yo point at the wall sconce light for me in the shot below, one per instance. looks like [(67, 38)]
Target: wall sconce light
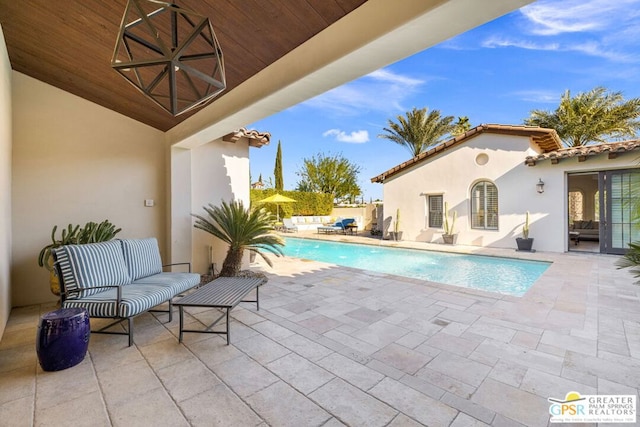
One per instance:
[(540, 186), (169, 54)]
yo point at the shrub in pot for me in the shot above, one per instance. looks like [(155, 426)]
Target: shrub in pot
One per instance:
[(92, 232)]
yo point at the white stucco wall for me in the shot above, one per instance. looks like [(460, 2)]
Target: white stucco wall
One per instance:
[(455, 171), (5, 184), (73, 162), (220, 172), (205, 174), (180, 222)]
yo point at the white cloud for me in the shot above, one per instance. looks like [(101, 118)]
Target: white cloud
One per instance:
[(598, 49), (591, 48), (385, 75), (355, 137), (607, 29), (552, 17), (542, 96), (496, 41), (381, 90)]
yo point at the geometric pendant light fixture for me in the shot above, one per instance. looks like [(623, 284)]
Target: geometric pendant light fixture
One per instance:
[(170, 54)]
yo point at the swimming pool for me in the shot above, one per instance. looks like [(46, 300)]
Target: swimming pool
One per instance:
[(503, 275)]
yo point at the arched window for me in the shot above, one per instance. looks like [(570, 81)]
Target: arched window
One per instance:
[(484, 206)]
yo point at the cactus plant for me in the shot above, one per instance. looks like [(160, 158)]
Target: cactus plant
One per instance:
[(525, 227), (90, 233), (396, 234), (448, 236), (525, 243), (449, 229)]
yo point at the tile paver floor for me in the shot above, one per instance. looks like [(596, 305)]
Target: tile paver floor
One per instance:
[(337, 346)]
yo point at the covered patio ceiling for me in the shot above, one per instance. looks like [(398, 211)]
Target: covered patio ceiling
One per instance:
[(69, 44), (277, 52)]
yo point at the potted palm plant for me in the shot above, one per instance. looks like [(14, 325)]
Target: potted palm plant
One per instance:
[(92, 232), (525, 243), (448, 236), (241, 229)]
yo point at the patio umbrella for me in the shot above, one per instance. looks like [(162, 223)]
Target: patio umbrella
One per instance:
[(277, 199)]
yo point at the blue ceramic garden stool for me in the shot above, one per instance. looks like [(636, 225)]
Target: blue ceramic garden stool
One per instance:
[(63, 338)]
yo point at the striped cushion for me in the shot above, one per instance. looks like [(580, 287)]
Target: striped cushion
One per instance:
[(136, 299), (142, 257), (177, 282), (90, 265), (68, 281)]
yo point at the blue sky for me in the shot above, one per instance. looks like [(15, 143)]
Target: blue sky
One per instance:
[(496, 73)]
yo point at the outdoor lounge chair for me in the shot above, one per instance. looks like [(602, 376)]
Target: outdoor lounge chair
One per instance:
[(339, 227), (288, 226)]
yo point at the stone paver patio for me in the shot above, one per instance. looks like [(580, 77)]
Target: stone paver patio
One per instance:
[(338, 346)]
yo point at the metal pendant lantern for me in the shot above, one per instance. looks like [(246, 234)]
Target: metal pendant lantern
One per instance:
[(170, 54)]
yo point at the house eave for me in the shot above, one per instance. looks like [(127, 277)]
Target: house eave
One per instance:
[(545, 139), (583, 153)]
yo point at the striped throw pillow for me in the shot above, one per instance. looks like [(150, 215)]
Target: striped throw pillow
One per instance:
[(142, 257), (90, 265)]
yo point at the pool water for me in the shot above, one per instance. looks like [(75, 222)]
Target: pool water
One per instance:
[(494, 274)]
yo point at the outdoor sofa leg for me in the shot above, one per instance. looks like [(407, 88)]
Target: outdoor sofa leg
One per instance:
[(228, 329), (130, 321), (181, 323)]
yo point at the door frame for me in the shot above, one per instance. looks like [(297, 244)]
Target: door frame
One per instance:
[(606, 211)]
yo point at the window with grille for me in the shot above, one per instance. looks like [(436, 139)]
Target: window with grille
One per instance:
[(484, 206), (435, 211)]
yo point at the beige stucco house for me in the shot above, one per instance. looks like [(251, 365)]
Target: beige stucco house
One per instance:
[(493, 174)]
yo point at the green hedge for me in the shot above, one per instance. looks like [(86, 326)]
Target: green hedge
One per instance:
[(305, 203)]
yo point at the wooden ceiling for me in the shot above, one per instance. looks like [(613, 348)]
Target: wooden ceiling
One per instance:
[(69, 43)]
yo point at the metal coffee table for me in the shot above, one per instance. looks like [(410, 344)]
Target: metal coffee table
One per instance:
[(223, 293)]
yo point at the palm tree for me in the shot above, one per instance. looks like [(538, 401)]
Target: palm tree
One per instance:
[(594, 116), (461, 126), (241, 229), (418, 131), (631, 260)]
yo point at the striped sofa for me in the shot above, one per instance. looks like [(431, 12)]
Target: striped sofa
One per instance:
[(118, 279)]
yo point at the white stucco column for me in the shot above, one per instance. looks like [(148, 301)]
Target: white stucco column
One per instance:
[(203, 175), (179, 247)]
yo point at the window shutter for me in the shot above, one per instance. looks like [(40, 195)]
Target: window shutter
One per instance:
[(484, 206), (435, 211)]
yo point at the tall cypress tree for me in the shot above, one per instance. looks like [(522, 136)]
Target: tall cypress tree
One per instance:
[(277, 171)]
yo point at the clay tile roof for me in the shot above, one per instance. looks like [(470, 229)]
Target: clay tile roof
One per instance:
[(613, 148), (546, 139), (256, 139)]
